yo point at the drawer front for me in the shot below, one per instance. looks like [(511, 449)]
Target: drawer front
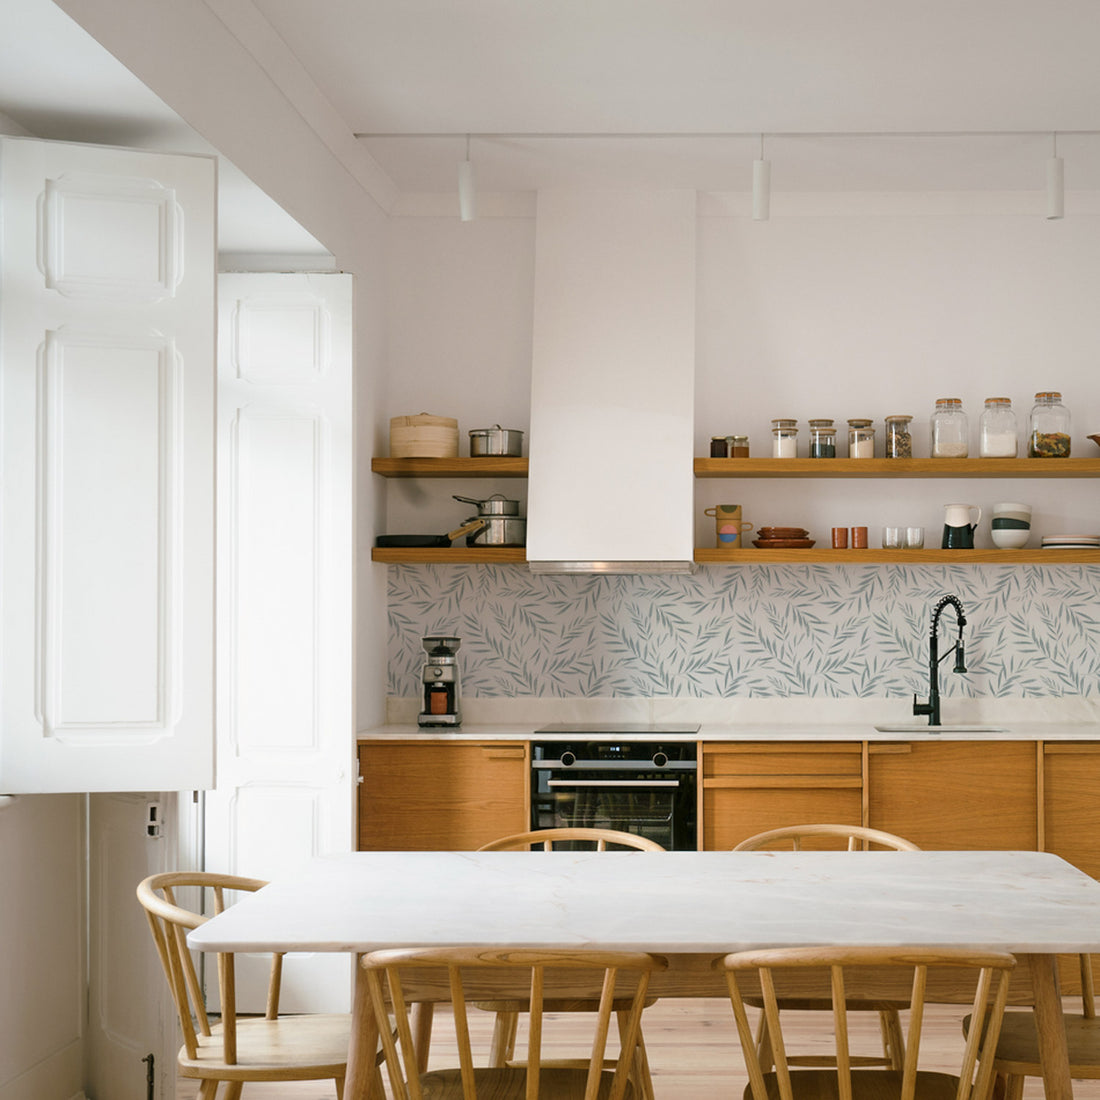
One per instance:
[(797, 758)]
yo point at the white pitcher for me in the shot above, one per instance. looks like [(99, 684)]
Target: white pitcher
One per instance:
[(958, 531)]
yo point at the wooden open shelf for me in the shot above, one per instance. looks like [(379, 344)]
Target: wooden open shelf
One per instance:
[(449, 555), (898, 467), (927, 556), (449, 467)]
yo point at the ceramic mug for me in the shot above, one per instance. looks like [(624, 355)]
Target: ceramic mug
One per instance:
[(728, 525)]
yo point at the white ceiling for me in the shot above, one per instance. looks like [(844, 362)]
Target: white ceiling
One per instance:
[(849, 94)]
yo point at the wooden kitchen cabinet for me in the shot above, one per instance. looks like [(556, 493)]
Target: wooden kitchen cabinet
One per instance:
[(753, 786), (1071, 803), (429, 795), (956, 794)]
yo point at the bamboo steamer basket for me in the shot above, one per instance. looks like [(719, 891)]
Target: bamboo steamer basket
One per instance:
[(423, 436)]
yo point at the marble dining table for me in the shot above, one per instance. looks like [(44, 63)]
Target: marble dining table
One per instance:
[(690, 907)]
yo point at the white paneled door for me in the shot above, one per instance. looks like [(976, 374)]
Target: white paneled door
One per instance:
[(285, 756), (107, 267)]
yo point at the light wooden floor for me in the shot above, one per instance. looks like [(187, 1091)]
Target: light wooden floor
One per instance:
[(693, 1050)]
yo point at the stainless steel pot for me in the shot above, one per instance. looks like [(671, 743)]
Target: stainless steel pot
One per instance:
[(496, 441), (500, 531), (496, 505)]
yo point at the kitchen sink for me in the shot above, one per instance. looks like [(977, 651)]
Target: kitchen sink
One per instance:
[(914, 727)]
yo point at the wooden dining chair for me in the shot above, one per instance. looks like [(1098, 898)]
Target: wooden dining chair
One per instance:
[(1016, 1055), (237, 1049), (549, 839), (506, 1024), (843, 971), (397, 976), (852, 838)]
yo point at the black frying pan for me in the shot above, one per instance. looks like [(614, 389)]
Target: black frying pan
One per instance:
[(431, 540)]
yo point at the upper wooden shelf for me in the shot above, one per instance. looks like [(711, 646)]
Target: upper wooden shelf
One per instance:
[(450, 467), (898, 467)]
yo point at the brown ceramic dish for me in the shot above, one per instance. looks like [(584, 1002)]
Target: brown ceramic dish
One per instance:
[(783, 544)]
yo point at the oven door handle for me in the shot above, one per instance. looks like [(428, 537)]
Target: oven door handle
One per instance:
[(611, 784)]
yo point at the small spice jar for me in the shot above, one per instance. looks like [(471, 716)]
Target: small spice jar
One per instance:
[(950, 430), (822, 439), (1048, 429), (719, 448), (899, 439), (739, 446), (784, 438), (997, 437), (861, 439)]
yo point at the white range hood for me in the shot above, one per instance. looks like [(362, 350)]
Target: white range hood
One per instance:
[(613, 383)]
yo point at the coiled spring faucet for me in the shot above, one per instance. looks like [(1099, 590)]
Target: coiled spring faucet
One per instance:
[(932, 707)]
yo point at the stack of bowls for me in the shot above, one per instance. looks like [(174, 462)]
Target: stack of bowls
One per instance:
[(1011, 525)]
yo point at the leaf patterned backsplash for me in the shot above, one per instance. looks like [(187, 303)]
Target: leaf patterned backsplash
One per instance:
[(752, 631)]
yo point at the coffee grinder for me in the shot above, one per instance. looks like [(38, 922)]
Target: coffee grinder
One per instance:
[(440, 677)]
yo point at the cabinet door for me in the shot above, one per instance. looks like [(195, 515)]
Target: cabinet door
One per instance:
[(956, 794), (441, 795), (749, 788), (1071, 803), (107, 434)]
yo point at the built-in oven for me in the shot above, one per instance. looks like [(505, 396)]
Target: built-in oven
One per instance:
[(631, 777)]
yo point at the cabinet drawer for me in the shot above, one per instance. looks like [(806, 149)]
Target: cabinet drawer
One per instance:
[(788, 761)]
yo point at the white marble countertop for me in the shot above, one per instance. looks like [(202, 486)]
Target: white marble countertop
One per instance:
[(668, 902), (763, 731)]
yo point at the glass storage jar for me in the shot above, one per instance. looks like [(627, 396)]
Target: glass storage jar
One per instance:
[(899, 439), (1048, 429), (784, 438), (950, 430), (861, 439), (719, 448), (997, 436), (822, 439), (739, 446)]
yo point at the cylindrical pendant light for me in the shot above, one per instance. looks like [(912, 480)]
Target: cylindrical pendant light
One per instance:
[(761, 186), (1056, 184), (466, 195)]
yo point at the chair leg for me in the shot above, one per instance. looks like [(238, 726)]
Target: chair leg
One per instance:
[(639, 1068), (893, 1041), (1014, 1087), (340, 1089), (503, 1047), (233, 1090), (208, 1090)]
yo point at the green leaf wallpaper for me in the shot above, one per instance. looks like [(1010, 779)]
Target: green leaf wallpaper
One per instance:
[(753, 630)]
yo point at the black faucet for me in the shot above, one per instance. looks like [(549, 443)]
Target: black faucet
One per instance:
[(932, 707)]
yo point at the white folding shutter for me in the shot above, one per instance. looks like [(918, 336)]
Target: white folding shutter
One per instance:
[(107, 267), (286, 739)]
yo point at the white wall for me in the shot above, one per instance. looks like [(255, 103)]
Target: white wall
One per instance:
[(850, 305)]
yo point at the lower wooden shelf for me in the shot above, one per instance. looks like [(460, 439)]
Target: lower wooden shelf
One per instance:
[(928, 556), (449, 555)]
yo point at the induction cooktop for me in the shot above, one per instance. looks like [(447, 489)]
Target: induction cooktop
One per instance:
[(616, 729)]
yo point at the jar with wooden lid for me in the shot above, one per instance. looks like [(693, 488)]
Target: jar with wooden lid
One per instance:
[(822, 439), (1049, 435), (784, 438), (950, 430), (861, 439), (899, 439), (997, 435)]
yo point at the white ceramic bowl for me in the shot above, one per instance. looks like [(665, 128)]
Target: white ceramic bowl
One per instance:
[(1010, 539)]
